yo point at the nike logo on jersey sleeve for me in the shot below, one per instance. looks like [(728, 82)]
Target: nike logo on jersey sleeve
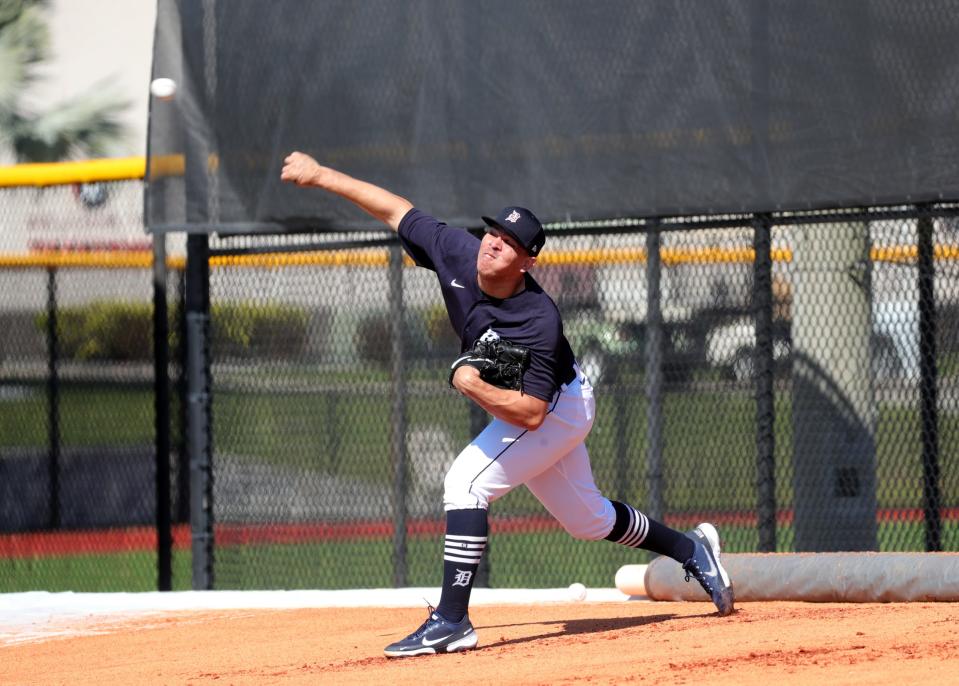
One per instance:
[(454, 284)]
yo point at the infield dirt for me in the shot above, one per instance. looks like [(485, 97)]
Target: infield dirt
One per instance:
[(625, 642)]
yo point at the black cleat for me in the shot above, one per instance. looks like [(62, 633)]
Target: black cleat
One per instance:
[(705, 566), (436, 635)]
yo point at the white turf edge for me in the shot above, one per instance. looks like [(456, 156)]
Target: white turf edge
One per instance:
[(41, 615)]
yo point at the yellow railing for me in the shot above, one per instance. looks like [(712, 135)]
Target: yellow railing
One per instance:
[(89, 171), (133, 168), (112, 259), (61, 173), (143, 259)]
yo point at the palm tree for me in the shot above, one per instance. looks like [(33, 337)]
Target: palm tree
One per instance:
[(82, 126)]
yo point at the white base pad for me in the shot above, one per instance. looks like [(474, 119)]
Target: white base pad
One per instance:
[(852, 577)]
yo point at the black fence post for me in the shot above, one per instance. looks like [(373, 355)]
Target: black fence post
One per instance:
[(654, 372), (928, 382), (161, 390), (182, 515), (199, 433), (53, 398), (398, 423), (765, 405)]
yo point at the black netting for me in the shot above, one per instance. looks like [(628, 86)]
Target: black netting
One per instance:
[(582, 110)]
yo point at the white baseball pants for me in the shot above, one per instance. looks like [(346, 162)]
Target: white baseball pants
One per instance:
[(551, 461)]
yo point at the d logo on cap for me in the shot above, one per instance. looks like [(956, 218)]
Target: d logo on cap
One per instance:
[(522, 225)]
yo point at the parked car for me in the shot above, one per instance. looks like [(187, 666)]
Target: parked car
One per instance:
[(894, 344), (724, 339), (604, 348), (732, 348), (596, 343)]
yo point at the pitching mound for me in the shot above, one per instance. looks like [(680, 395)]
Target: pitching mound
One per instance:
[(762, 643)]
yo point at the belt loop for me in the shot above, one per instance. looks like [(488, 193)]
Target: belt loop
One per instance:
[(578, 373)]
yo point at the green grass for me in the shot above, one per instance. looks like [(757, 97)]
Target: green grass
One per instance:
[(345, 435), (89, 415), (99, 573)]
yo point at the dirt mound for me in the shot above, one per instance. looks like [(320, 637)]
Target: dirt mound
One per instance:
[(544, 644)]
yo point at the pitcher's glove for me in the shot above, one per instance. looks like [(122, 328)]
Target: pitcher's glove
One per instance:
[(500, 363)]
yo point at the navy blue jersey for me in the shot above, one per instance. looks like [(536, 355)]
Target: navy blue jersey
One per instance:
[(529, 318)]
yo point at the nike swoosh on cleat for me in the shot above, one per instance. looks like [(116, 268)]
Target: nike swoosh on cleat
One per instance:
[(425, 641), (712, 571), (456, 285)]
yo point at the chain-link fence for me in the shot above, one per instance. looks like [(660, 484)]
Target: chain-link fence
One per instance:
[(801, 396), (78, 476), (792, 379)]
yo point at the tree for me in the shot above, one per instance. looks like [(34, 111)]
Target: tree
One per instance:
[(86, 125)]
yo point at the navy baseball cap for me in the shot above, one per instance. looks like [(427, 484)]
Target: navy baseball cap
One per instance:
[(522, 225)]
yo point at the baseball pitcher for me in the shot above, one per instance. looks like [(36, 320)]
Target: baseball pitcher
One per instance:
[(517, 365)]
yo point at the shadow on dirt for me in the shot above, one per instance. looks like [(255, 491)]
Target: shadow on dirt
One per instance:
[(572, 627)]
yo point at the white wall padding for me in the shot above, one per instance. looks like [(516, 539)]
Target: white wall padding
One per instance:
[(819, 577)]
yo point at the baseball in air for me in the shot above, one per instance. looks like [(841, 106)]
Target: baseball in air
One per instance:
[(163, 88), (577, 592)]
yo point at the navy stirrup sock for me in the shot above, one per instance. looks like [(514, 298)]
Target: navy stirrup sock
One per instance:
[(636, 530), (466, 535)]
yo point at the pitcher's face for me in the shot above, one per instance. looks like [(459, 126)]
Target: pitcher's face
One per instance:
[(500, 256)]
